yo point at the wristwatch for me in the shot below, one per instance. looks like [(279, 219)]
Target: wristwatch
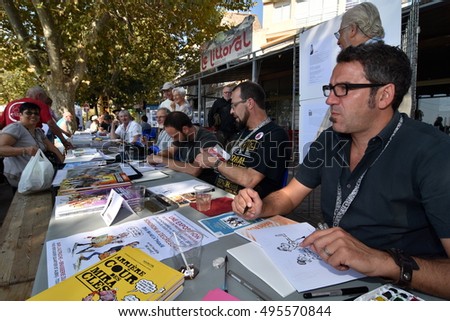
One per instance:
[(407, 265), (216, 165)]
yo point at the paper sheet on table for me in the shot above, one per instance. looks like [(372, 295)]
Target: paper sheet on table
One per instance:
[(304, 269), (82, 158), (253, 257), (177, 188), (150, 176), (142, 166), (60, 175)]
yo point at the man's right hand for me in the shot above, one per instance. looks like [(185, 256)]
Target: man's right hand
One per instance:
[(247, 204)]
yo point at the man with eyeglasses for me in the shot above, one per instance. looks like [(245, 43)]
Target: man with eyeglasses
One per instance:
[(163, 139), (220, 119), (360, 24), (260, 153), (384, 178)]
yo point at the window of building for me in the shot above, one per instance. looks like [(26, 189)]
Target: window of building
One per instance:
[(282, 11)]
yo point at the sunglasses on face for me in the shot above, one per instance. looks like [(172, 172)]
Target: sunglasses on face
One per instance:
[(29, 113)]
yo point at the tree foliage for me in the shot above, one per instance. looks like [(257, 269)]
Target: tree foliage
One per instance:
[(80, 50)]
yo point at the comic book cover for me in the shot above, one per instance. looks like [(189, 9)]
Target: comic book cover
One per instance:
[(86, 202), (97, 177), (126, 275)]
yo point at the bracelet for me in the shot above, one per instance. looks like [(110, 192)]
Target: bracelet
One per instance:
[(216, 165), (23, 151), (407, 265)]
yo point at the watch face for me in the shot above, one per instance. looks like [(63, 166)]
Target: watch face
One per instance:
[(407, 276)]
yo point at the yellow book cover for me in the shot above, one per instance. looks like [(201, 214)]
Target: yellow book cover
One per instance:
[(128, 275)]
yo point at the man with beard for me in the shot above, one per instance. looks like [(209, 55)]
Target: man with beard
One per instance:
[(187, 142), (261, 151)]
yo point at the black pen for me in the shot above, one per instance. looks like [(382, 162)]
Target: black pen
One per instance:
[(250, 287), (319, 294), (225, 285)]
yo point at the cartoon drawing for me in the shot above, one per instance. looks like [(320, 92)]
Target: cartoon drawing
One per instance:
[(104, 254), (307, 256), (291, 245), (99, 241), (234, 221), (105, 295)]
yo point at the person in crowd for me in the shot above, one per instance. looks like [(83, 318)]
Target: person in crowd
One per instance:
[(21, 140), (385, 197), (95, 124), (187, 142), (260, 154), (38, 96), (65, 123), (180, 102), (166, 90), (360, 24), (163, 139), (220, 118), (88, 122), (438, 123), (128, 131), (116, 114), (105, 126), (144, 123)]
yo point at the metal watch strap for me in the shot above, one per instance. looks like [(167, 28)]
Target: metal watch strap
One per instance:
[(407, 265)]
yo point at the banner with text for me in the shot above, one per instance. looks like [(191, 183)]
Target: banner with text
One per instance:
[(228, 46)]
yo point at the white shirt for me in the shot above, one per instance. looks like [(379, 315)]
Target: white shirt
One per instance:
[(127, 134), (166, 104)]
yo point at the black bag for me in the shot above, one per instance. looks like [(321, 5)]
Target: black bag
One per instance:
[(52, 158)]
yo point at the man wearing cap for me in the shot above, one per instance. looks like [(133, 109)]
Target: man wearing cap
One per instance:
[(166, 89)]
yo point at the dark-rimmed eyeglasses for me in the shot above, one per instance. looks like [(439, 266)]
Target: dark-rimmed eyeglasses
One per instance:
[(29, 113), (234, 105), (337, 34), (341, 90)]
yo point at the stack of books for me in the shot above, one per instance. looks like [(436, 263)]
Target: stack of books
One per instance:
[(79, 203), (87, 189), (127, 275)]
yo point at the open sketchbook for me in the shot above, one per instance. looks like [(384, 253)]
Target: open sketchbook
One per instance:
[(304, 269)]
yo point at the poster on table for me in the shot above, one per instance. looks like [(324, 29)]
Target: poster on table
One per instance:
[(152, 234), (318, 52)]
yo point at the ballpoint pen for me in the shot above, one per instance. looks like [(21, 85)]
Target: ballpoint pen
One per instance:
[(225, 284)]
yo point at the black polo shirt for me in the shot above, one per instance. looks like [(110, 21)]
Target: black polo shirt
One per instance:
[(403, 200)]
